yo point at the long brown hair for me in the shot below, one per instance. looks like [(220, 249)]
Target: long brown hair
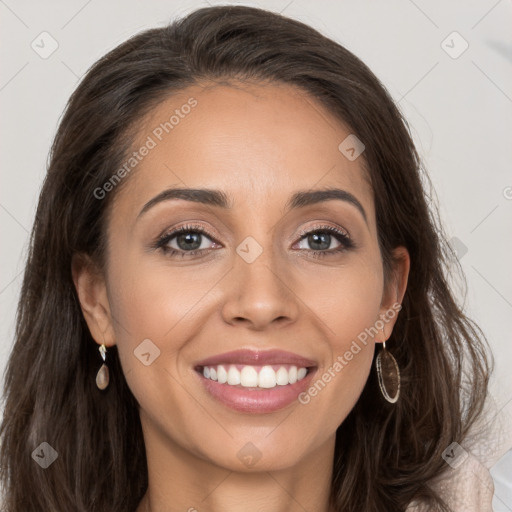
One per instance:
[(386, 454)]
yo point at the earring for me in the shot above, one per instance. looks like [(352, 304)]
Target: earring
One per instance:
[(388, 375), (102, 378)]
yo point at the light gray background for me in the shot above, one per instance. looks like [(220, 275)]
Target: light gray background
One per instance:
[(459, 110)]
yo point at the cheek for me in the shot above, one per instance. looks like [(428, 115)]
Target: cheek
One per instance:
[(156, 310), (159, 310), (346, 301), (155, 301)]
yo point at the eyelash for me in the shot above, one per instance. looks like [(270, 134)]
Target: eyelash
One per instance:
[(345, 242)]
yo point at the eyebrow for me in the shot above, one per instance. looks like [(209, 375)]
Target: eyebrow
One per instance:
[(219, 199)]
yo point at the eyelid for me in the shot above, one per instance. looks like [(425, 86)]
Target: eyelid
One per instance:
[(328, 227), (169, 234)]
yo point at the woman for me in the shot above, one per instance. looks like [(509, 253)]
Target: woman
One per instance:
[(236, 294)]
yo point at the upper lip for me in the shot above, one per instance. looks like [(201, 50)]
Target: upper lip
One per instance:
[(257, 357)]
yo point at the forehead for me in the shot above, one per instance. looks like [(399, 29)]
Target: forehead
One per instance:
[(257, 142)]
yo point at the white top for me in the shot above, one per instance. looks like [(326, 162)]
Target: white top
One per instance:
[(467, 485)]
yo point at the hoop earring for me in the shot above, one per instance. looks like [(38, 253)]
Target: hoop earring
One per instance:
[(102, 378), (388, 375)]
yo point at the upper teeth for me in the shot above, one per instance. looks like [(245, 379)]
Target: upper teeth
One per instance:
[(250, 377)]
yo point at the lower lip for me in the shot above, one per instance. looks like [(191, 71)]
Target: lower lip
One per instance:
[(257, 400)]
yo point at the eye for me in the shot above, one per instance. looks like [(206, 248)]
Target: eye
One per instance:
[(321, 238), (191, 240), (185, 241)]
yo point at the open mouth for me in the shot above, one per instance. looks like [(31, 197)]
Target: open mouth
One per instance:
[(255, 381), (254, 377)]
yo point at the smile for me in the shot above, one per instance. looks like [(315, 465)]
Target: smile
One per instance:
[(255, 382), (266, 377)]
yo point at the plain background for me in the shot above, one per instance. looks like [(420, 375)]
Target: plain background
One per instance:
[(458, 107)]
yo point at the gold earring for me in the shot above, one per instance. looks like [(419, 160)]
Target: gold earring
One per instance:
[(388, 374), (102, 378)]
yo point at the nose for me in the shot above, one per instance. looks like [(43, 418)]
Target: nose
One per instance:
[(260, 294)]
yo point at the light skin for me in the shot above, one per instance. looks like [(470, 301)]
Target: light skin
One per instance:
[(259, 144)]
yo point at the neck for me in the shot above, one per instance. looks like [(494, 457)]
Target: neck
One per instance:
[(180, 481)]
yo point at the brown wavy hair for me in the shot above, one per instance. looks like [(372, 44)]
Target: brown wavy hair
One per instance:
[(386, 454)]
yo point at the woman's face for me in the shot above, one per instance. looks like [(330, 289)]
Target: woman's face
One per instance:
[(252, 285)]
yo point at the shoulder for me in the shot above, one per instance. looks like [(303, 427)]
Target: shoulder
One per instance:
[(467, 485)]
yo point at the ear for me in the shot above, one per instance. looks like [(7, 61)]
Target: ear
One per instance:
[(92, 294), (394, 291)]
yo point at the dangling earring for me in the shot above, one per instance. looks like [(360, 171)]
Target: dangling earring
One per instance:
[(388, 374), (102, 378)]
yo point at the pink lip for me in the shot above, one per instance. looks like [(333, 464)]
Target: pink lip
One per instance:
[(256, 400), (257, 358)]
